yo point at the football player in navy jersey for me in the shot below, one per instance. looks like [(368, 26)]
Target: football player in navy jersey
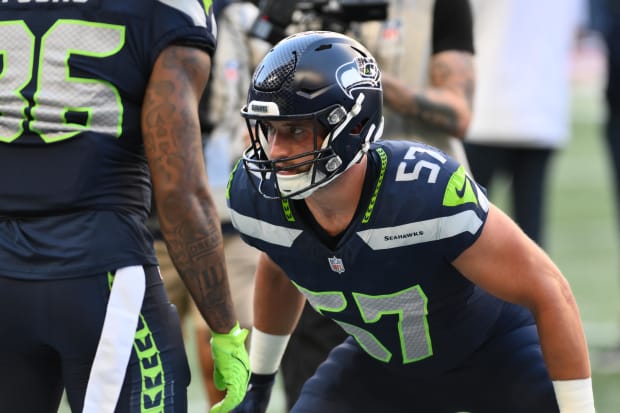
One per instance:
[(98, 99), (427, 97), (448, 305)]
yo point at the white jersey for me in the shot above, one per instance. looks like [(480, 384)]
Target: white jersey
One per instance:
[(523, 64)]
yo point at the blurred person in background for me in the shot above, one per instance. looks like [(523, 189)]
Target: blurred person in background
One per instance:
[(429, 101), (521, 113), (605, 19)]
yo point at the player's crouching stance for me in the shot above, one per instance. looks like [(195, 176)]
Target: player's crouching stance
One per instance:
[(449, 306)]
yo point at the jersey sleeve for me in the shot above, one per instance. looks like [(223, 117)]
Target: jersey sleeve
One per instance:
[(184, 22), (426, 199), (465, 209), (432, 195)]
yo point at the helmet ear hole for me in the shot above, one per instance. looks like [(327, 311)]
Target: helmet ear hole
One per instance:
[(357, 129)]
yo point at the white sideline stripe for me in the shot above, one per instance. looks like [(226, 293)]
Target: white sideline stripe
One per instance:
[(421, 231), (116, 342), (273, 234)]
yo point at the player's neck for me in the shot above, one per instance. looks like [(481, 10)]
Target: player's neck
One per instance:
[(334, 206)]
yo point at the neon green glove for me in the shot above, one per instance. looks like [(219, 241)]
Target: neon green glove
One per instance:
[(232, 367)]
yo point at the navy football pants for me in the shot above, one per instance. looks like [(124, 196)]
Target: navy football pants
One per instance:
[(49, 332), (507, 374)]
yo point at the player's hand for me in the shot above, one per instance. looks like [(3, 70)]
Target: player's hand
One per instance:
[(231, 367), (258, 394)]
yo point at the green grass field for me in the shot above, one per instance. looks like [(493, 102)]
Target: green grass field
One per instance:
[(582, 238)]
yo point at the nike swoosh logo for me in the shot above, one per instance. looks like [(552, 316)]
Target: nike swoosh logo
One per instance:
[(460, 189), (461, 192)]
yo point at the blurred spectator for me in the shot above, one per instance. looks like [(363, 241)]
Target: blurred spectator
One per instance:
[(605, 18), (425, 50), (522, 100)]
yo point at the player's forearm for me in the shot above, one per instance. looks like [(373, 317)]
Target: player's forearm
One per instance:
[(565, 350), (187, 215), (189, 221), (195, 246), (277, 302), (562, 337), (277, 318), (277, 308)]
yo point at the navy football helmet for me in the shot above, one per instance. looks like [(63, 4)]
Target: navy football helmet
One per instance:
[(324, 76)]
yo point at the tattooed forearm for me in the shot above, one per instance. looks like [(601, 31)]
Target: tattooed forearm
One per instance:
[(439, 115), (194, 240), (445, 104), (187, 215), (204, 274)]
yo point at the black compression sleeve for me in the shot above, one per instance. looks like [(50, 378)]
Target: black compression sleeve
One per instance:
[(452, 26)]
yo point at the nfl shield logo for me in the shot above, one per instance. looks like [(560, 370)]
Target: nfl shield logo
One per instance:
[(336, 265)]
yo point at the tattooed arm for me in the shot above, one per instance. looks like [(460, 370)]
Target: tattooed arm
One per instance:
[(188, 218), (446, 104)]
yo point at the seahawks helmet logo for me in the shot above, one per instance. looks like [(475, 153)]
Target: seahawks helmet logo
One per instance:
[(361, 73)]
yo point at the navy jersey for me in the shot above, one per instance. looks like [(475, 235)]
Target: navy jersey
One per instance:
[(388, 281), (76, 186)]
